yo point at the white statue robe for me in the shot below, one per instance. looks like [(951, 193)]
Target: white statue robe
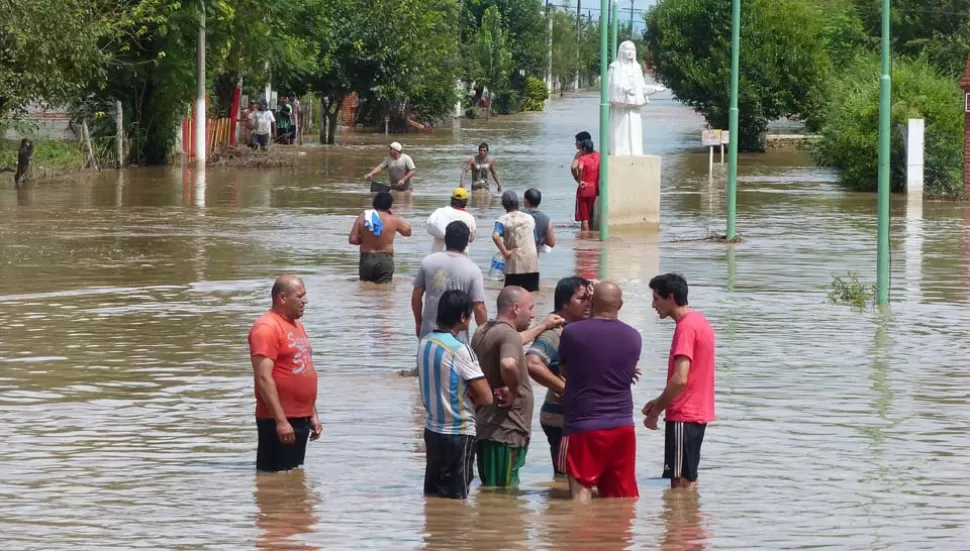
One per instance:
[(627, 93)]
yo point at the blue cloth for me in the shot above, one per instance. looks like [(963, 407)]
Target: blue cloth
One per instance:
[(500, 228), (372, 222)]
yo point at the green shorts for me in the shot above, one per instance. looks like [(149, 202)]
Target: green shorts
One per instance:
[(499, 464)]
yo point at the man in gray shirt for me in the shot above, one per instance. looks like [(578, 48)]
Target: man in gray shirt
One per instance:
[(400, 169), (544, 233), (445, 271)]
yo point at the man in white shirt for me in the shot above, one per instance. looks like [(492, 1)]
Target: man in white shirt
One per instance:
[(400, 168), (439, 219), (264, 120)]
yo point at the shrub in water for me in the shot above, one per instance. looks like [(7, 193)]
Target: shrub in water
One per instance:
[(535, 95), (850, 125)]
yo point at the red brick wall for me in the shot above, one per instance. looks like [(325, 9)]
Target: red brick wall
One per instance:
[(348, 111)]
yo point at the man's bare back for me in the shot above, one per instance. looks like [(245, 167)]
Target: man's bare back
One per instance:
[(369, 243)]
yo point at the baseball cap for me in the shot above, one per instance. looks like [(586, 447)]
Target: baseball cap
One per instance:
[(396, 146), (460, 193)]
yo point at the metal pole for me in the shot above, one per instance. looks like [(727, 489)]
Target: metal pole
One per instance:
[(614, 27), (200, 95), (631, 19), (732, 188), (885, 105), (579, 40), (604, 128)]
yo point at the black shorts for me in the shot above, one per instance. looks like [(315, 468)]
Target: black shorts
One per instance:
[(376, 267), (554, 435), (529, 282), (260, 140), (682, 453), (271, 454), (449, 469)]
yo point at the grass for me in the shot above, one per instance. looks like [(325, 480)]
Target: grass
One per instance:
[(849, 290), (51, 158)]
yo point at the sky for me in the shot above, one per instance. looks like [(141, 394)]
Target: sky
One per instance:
[(592, 6)]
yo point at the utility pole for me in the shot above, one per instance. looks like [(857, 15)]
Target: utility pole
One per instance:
[(631, 19), (604, 127), (579, 40), (732, 188), (549, 79), (885, 106), (200, 94), (614, 27)]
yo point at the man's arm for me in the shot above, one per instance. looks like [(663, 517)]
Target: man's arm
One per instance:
[(354, 238), (499, 240), (675, 385), (540, 373), (509, 368), (481, 314), (550, 239), (411, 170), (469, 370), (263, 371), (552, 321), (480, 392), (491, 167), (577, 168), (417, 303), (375, 171), (403, 227), (464, 169)]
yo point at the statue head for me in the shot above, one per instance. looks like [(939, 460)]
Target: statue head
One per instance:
[(628, 51)]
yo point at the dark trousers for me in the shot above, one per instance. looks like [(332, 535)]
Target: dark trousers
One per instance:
[(273, 455)]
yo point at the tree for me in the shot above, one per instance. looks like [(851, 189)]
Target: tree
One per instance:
[(784, 62), (525, 23), (492, 58)]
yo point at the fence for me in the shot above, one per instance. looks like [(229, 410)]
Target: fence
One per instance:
[(217, 132)]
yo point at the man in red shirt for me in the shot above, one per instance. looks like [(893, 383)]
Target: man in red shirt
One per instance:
[(689, 395), (286, 383)]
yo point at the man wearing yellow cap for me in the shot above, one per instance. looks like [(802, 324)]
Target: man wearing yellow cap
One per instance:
[(439, 219), (400, 168)]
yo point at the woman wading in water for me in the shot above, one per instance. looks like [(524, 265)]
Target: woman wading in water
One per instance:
[(480, 165)]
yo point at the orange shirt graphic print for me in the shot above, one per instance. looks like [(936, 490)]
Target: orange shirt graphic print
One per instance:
[(285, 342)]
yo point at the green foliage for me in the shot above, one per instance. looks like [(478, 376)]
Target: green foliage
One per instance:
[(851, 291), (784, 59), (850, 128), (507, 102), (492, 60), (524, 23), (535, 95), (50, 157)]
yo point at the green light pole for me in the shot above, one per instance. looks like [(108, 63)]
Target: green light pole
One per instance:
[(732, 187), (885, 106), (614, 28), (604, 126)]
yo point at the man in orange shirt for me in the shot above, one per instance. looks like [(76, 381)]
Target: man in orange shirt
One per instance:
[(286, 383)]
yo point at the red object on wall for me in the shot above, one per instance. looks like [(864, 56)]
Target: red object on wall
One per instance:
[(965, 84), (234, 115)]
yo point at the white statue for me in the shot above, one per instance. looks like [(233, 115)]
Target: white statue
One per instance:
[(627, 93)]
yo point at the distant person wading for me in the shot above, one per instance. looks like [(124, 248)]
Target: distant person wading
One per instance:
[(374, 231), (480, 165), (400, 168)]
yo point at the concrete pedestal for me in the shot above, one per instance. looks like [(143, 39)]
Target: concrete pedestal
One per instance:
[(634, 193)]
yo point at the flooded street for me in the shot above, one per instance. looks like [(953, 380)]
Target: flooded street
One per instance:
[(126, 401)]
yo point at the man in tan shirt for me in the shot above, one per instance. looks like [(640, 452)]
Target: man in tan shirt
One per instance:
[(515, 237), (374, 231)]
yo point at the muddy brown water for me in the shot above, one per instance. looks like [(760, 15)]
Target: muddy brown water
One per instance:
[(126, 395)]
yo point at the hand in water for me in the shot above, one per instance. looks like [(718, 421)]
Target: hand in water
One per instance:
[(503, 396)]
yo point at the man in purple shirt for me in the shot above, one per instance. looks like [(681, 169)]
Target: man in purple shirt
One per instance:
[(598, 357)]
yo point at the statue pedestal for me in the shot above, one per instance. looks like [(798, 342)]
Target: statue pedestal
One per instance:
[(634, 191)]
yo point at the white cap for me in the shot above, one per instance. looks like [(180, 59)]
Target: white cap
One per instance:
[(396, 146)]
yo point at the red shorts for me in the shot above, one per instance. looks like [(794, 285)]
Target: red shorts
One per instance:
[(606, 459), (584, 208)]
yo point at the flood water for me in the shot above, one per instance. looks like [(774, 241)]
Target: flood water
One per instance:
[(126, 392)]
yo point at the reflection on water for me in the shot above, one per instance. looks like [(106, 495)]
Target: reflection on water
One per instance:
[(126, 394)]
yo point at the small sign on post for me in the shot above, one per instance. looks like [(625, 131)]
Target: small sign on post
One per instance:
[(712, 139)]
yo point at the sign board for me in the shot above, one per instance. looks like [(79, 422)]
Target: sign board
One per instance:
[(244, 101), (273, 98), (713, 138), (710, 138), (967, 106)]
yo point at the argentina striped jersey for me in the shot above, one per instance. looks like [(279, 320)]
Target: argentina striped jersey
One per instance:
[(445, 367)]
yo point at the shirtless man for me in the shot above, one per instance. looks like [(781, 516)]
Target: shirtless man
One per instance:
[(374, 231)]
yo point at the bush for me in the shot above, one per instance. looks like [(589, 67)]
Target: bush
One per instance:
[(850, 127), (851, 291), (506, 102), (535, 94), (783, 60)]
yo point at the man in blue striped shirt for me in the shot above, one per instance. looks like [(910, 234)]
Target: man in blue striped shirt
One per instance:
[(451, 381)]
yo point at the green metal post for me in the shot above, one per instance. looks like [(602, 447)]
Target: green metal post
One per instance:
[(885, 105), (732, 186), (614, 28), (604, 126)]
